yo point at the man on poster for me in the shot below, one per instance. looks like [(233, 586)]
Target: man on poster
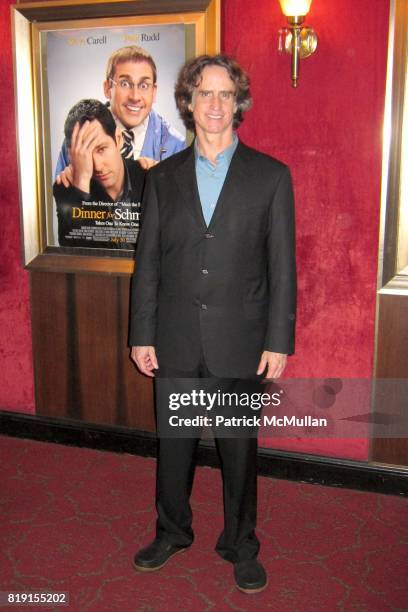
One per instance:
[(131, 89), (101, 207), (213, 299)]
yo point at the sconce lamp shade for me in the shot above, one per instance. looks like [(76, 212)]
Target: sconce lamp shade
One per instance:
[(295, 8)]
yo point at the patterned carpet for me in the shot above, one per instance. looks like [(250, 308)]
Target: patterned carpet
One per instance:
[(71, 520)]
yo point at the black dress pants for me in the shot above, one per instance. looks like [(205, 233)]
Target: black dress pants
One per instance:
[(176, 467)]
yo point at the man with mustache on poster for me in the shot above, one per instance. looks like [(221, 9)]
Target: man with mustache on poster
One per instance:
[(101, 207)]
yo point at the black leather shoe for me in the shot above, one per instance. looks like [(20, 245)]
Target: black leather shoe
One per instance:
[(154, 556), (250, 576)]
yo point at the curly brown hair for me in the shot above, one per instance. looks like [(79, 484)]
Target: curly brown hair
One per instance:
[(190, 76)]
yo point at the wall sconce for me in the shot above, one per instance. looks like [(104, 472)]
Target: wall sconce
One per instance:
[(300, 41)]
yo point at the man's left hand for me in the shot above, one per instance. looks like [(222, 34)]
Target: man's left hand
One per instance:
[(272, 364), (66, 177)]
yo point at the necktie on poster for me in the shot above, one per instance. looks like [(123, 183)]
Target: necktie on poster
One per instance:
[(127, 146)]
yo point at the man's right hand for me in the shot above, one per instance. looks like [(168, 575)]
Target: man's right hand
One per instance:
[(145, 359), (83, 141)]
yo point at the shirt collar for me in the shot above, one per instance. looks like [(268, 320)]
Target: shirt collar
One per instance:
[(225, 155), (136, 130), (127, 186)]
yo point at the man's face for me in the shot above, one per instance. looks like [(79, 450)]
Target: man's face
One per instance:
[(131, 105), (107, 160), (213, 102)]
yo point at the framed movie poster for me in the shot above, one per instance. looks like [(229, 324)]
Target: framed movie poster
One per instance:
[(117, 59)]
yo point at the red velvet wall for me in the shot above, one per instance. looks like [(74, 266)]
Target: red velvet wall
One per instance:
[(329, 132), (16, 388)]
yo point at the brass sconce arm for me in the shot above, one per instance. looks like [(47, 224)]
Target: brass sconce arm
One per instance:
[(297, 40)]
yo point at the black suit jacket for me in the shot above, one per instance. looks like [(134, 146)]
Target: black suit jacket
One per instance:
[(229, 288)]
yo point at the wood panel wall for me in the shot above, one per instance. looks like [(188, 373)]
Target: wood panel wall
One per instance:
[(392, 363), (82, 366)]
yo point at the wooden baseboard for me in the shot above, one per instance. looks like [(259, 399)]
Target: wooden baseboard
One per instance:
[(313, 469)]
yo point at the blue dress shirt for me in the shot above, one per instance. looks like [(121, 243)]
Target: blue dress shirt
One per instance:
[(210, 178)]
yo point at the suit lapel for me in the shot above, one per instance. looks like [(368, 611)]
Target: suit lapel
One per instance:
[(234, 186), (186, 179)]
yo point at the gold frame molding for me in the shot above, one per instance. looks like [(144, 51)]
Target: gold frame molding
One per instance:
[(392, 280), (27, 19)]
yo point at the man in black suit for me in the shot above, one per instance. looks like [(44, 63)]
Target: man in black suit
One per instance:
[(101, 208), (213, 299)]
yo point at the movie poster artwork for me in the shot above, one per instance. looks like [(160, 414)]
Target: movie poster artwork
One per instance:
[(75, 63)]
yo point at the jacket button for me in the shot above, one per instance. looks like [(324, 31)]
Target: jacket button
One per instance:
[(208, 236), (204, 271)]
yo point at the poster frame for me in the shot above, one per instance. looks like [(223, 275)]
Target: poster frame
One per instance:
[(28, 19)]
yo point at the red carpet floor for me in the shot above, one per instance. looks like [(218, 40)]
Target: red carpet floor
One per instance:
[(71, 519)]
